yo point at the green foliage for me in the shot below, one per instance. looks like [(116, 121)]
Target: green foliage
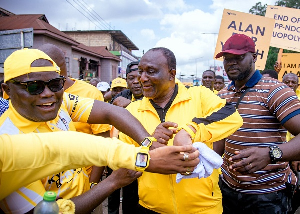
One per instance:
[(288, 3), (259, 9)]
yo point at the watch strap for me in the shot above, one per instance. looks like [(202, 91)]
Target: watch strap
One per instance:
[(148, 141), (143, 150)]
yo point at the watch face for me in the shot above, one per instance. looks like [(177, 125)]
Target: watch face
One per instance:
[(141, 160), (146, 142), (276, 153)]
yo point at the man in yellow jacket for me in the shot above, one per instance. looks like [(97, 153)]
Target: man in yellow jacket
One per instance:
[(202, 117)]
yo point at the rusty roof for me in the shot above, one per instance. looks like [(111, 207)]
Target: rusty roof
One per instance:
[(38, 22)]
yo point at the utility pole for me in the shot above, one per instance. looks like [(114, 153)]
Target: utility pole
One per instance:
[(196, 60)]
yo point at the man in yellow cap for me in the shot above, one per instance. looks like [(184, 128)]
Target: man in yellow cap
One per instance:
[(117, 85), (39, 104)]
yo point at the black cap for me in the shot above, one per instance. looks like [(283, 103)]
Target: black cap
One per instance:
[(128, 70)]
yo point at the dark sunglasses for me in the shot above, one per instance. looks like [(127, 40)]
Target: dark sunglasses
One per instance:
[(38, 86)]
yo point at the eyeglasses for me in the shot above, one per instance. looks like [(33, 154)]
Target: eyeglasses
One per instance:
[(38, 86)]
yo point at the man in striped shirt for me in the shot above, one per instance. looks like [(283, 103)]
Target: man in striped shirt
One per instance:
[(261, 183)]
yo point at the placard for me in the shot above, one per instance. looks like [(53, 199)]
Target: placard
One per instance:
[(259, 28), (286, 31), (290, 64)]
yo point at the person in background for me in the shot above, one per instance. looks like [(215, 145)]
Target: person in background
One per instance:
[(219, 83), (4, 104), (199, 114), (291, 80), (117, 85), (94, 81), (134, 91), (103, 87), (270, 73), (208, 79), (255, 178), (123, 99)]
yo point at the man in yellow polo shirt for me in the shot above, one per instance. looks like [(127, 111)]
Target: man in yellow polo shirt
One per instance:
[(203, 117), (39, 104), (83, 89)]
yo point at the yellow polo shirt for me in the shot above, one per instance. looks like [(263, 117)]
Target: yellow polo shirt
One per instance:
[(84, 89), (66, 184)]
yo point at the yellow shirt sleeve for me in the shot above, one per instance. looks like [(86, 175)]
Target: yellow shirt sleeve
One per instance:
[(79, 108), (29, 157), (219, 118)]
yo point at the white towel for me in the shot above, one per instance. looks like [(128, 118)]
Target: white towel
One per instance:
[(209, 160)]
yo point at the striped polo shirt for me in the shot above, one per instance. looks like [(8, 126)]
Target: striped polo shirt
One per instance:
[(264, 109)]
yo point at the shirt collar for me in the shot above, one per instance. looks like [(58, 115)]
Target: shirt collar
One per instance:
[(251, 82)]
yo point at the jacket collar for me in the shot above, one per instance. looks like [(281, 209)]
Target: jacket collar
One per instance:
[(182, 95)]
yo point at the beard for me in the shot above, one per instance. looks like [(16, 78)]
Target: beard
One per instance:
[(243, 74)]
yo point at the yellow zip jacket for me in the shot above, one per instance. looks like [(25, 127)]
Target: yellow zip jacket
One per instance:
[(161, 193)]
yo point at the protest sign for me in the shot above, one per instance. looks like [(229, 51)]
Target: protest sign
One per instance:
[(286, 32), (258, 28), (290, 64)]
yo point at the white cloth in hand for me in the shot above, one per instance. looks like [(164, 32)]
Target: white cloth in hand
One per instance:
[(209, 160)]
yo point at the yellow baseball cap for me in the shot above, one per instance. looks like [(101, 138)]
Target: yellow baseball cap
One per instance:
[(119, 82), (19, 63)]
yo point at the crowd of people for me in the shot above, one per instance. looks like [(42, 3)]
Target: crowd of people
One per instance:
[(62, 134)]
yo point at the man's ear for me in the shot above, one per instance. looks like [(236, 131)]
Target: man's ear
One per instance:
[(6, 88), (254, 57), (172, 74)]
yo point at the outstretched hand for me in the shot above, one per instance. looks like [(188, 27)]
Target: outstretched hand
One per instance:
[(250, 160), (170, 159)]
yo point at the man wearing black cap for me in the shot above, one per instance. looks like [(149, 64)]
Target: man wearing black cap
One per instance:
[(123, 99), (256, 180), (134, 91)]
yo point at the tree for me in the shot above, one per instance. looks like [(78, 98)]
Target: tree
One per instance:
[(288, 3), (259, 9)]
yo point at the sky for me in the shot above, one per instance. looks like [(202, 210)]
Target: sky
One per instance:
[(187, 27)]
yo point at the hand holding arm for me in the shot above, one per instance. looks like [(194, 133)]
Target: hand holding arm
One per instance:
[(163, 134), (169, 159)]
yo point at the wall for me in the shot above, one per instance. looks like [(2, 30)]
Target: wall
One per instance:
[(92, 39)]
